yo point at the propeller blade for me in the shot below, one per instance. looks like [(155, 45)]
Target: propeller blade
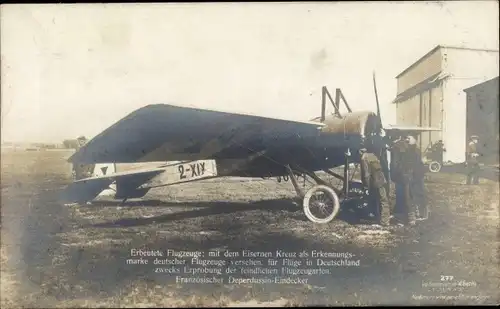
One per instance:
[(376, 99), (383, 151)]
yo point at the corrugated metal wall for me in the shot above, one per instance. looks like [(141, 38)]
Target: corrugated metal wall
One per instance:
[(425, 120), (423, 109), (436, 112), (407, 111), (482, 119)]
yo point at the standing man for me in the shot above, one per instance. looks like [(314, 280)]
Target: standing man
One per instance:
[(374, 180), (439, 149), (80, 170), (417, 186), (472, 164), (402, 174)]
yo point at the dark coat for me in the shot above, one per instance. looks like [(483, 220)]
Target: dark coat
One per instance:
[(417, 165), (371, 171), (401, 158)]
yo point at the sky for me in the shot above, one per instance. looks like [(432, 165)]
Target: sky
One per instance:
[(75, 69)]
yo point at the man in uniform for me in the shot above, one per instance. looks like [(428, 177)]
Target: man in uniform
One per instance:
[(436, 152), (440, 149), (417, 187), (81, 171), (471, 162), (402, 174), (374, 180)]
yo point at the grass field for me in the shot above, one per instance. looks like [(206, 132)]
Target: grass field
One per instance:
[(59, 256)]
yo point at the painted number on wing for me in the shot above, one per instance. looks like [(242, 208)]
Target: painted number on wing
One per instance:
[(191, 170)]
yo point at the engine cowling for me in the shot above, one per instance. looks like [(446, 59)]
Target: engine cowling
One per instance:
[(355, 123), (352, 129)]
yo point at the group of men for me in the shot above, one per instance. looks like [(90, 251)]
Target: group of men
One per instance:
[(407, 171)]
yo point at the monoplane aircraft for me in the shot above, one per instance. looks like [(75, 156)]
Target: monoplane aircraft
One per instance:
[(212, 144)]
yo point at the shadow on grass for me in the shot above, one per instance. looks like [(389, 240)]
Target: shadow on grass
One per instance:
[(203, 209)]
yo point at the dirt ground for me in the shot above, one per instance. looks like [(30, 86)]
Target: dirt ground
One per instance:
[(74, 256)]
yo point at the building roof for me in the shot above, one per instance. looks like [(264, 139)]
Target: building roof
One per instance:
[(432, 51), (493, 80), (421, 86)]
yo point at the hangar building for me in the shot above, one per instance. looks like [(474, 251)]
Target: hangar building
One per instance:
[(482, 118), (430, 92)]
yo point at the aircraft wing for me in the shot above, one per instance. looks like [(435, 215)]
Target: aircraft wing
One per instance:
[(172, 133), (396, 129)]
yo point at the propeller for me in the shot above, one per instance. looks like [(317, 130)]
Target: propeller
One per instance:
[(383, 152), (376, 99)]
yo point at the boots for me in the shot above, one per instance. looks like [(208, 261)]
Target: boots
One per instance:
[(411, 218), (422, 212)]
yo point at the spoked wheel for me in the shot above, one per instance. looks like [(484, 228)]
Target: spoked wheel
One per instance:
[(434, 167), (321, 204)]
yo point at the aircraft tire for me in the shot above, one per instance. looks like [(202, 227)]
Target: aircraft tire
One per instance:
[(330, 194), (434, 167)]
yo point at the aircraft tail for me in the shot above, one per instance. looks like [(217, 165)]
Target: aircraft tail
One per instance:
[(81, 171), (105, 180)]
